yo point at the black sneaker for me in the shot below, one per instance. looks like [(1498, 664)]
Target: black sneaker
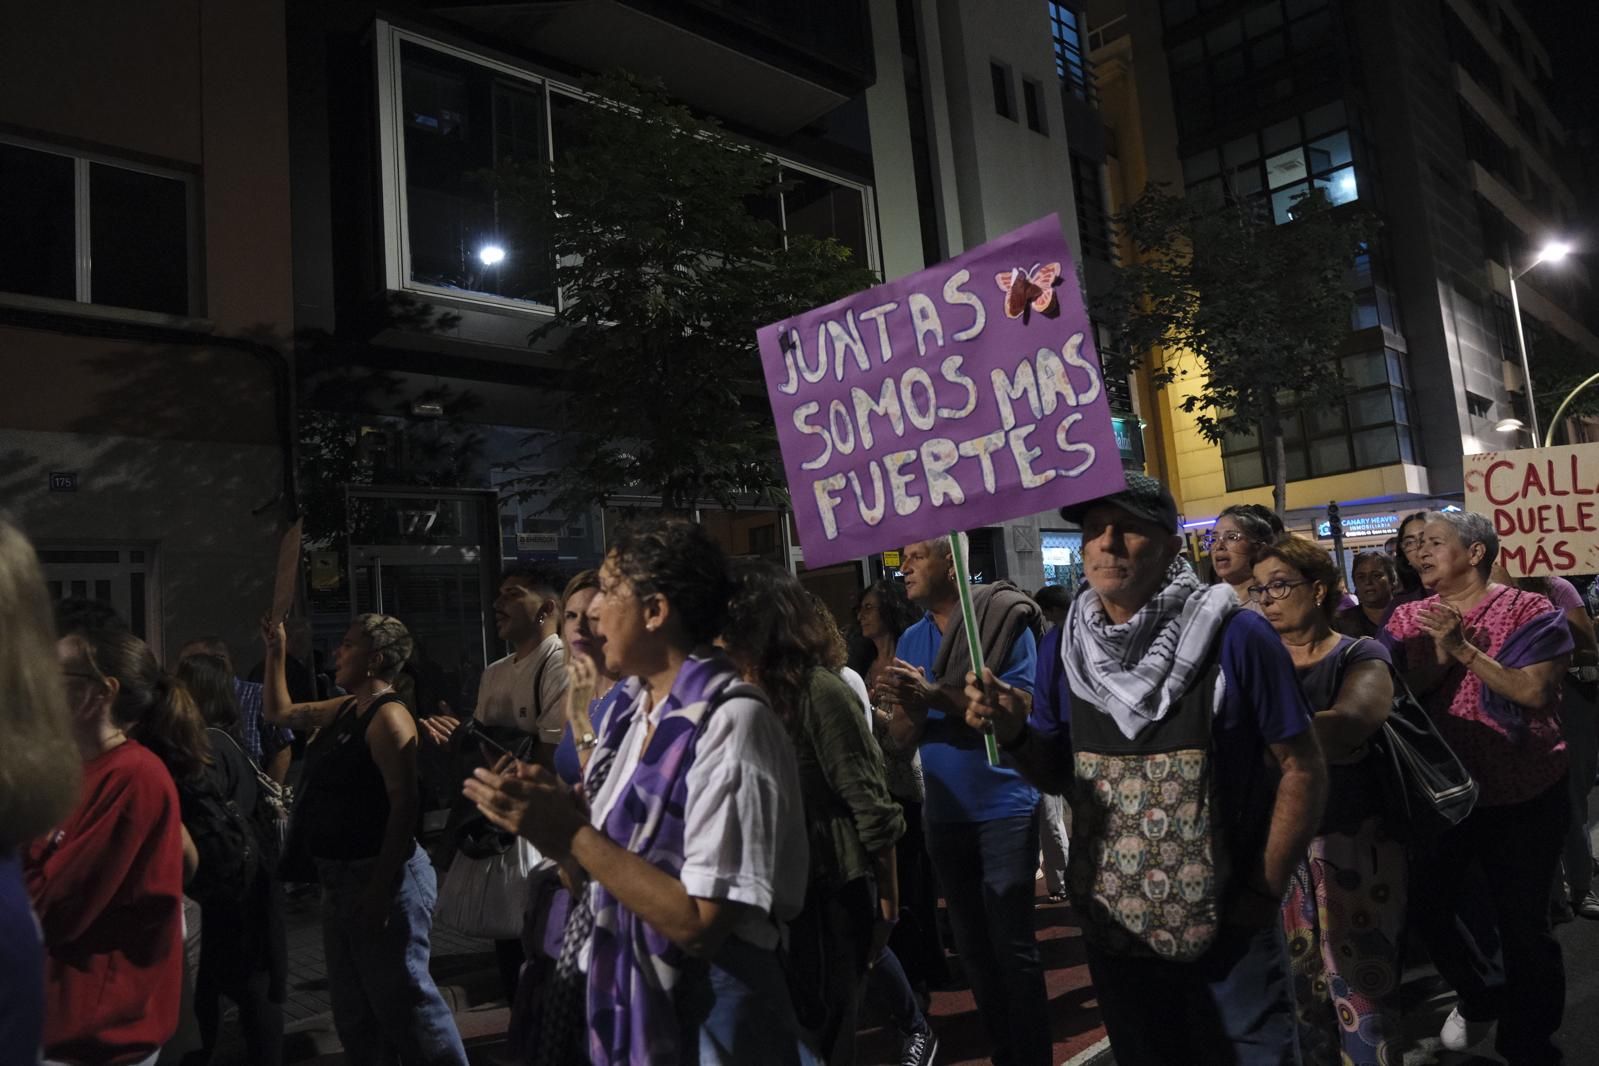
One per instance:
[(919, 1049)]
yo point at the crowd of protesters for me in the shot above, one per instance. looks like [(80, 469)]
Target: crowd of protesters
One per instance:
[(701, 823)]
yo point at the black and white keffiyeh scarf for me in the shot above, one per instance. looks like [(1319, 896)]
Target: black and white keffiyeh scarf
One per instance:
[(1135, 672)]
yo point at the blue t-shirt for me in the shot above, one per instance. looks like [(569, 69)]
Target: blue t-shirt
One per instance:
[(567, 765), (1262, 704), (21, 965), (961, 786)]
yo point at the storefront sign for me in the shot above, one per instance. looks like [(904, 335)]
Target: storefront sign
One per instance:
[(1362, 525), (956, 397), (1544, 504)]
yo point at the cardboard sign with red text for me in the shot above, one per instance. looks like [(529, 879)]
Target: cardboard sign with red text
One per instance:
[(1543, 503)]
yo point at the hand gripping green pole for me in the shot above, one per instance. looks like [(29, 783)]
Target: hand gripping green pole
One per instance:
[(974, 639)]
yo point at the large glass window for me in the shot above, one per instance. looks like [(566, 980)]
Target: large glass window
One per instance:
[(1066, 30), (1268, 51), (461, 121), (1279, 165), (460, 118), (94, 231), (1369, 427)]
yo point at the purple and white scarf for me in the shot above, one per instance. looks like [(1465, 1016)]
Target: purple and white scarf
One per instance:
[(634, 969)]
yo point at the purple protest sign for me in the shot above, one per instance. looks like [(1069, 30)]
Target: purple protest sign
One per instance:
[(959, 396)]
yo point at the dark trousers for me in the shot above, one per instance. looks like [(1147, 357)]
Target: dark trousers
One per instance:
[(1581, 730), (260, 1019), (915, 939), (509, 957), (986, 870), (1232, 1006), (1518, 848), (827, 950)]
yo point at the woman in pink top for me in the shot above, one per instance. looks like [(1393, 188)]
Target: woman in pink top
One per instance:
[(1488, 661)]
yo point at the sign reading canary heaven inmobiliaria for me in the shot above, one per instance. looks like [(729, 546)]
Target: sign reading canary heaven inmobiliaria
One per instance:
[(957, 397), (1544, 504)]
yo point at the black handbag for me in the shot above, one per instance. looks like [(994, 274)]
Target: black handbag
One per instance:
[(1428, 790)]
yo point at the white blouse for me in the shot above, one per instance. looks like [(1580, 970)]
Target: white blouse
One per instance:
[(744, 826)]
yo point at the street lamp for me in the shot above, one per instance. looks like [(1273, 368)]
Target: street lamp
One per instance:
[(1510, 425), (1552, 252)]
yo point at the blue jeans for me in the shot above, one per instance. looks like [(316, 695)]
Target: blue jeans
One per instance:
[(1234, 1004), (385, 1003), (749, 1017), (986, 871)]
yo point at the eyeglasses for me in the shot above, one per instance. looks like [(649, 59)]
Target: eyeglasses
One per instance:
[(1277, 590), (1232, 536), (1410, 542)]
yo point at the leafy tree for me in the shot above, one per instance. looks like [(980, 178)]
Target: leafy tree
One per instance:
[(665, 273), (354, 425), (1256, 312), (1558, 366)]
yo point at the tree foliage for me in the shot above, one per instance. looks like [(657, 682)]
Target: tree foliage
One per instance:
[(665, 274), (1559, 366), (1256, 312)]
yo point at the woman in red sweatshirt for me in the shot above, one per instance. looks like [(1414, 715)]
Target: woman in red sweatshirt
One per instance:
[(108, 883)]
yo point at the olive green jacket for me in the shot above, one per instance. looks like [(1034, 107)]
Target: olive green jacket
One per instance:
[(849, 812)]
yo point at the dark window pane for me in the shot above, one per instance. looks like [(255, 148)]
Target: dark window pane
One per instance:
[(1266, 51), (1363, 315), (1325, 419), (1262, 18), (139, 238), (1243, 150), (1371, 408), (1330, 152), (1246, 181), (1377, 447), (1298, 464), (1034, 105), (1243, 471), (1329, 456), (823, 208), (1199, 165), (1224, 36), (461, 120), (1396, 367), (1281, 136), (1324, 119), (1401, 406), (38, 252), (1004, 103)]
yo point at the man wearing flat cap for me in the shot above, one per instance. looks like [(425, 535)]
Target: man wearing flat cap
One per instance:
[(1175, 725)]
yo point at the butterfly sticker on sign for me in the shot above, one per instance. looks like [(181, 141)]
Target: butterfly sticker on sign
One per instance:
[(1030, 290)]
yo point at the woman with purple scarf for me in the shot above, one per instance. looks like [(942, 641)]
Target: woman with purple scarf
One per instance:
[(693, 847), (1488, 661)]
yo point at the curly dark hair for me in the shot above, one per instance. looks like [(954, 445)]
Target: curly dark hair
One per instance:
[(896, 612), (774, 635), (676, 558)]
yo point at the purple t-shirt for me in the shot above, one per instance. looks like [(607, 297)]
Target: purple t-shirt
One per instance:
[(1564, 595), (1261, 704)]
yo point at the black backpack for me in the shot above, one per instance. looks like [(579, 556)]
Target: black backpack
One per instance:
[(224, 837), (269, 817)]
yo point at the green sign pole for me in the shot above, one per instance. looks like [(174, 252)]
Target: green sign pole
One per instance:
[(974, 640)]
